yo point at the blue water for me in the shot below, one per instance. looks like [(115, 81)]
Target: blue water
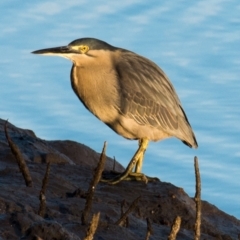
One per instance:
[(195, 43)]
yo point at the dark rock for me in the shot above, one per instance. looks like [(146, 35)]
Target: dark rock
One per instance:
[(71, 171)]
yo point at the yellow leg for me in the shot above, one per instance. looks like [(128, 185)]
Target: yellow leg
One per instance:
[(135, 161), (139, 163)]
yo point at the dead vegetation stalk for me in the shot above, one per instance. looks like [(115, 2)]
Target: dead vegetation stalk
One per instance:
[(114, 164), (126, 222), (92, 227), (197, 200), (123, 218), (93, 184), (42, 196), (149, 229), (175, 228), (20, 160)]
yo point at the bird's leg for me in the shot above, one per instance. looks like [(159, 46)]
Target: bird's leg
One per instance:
[(135, 161), (141, 149), (139, 163), (137, 174)]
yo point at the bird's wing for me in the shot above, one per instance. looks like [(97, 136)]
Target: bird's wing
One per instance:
[(147, 95)]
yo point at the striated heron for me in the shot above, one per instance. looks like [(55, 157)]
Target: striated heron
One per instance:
[(129, 93)]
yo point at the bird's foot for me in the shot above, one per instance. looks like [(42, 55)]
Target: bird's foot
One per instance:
[(132, 176)]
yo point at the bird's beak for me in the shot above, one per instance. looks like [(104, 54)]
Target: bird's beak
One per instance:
[(56, 51)]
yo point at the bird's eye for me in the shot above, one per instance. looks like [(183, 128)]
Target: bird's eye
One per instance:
[(83, 48)]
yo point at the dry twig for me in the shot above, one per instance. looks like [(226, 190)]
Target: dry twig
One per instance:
[(126, 222), (114, 164), (92, 227), (149, 229), (42, 197), (197, 200), (175, 228), (93, 184), (123, 218), (20, 160)]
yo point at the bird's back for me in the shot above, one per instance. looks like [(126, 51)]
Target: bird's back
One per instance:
[(148, 97)]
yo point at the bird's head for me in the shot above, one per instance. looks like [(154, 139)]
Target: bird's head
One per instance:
[(78, 50)]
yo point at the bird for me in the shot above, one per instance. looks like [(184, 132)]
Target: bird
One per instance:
[(129, 93)]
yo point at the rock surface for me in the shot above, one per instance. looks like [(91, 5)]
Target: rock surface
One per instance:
[(71, 171)]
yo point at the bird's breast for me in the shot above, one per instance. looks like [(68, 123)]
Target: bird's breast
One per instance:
[(97, 90)]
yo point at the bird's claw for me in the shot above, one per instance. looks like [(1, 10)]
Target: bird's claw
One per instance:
[(132, 176)]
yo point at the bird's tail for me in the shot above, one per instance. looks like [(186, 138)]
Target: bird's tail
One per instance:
[(187, 134), (193, 143)]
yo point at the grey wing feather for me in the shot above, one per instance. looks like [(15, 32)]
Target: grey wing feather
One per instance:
[(148, 97)]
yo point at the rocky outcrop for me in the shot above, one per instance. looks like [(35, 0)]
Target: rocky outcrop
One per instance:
[(72, 167)]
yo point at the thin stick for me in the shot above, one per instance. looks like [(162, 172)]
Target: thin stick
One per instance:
[(114, 164), (149, 229), (93, 184), (42, 197), (197, 200), (92, 227), (123, 218), (122, 210), (125, 223), (175, 228), (20, 160)]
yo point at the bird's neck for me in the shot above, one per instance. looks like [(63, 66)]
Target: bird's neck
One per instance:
[(95, 92)]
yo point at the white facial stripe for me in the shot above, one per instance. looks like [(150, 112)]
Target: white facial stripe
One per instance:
[(70, 56)]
